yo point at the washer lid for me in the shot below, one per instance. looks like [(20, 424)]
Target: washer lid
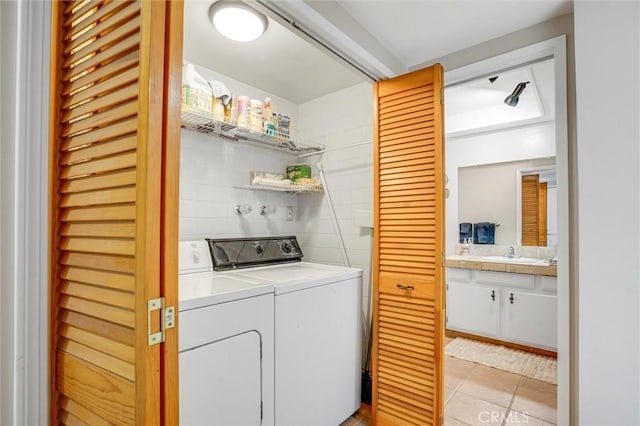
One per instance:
[(209, 288), (299, 276)]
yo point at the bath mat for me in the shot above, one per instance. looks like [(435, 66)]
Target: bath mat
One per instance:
[(524, 363)]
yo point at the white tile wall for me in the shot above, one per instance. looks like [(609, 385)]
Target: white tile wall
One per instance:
[(341, 118), (210, 167)]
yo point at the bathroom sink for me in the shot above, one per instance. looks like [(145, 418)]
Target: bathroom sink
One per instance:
[(506, 259)]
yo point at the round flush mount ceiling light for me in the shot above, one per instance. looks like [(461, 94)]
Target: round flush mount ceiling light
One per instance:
[(236, 20)]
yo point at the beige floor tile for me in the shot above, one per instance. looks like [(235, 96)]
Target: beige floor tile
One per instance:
[(517, 418), (450, 421), (448, 391), (490, 384), (536, 398), (455, 370), (474, 411)]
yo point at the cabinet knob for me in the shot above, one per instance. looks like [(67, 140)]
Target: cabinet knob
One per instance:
[(493, 295), (511, 298), (404, 287)]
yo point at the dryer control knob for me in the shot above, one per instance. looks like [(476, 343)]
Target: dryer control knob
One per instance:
[(286, 247)]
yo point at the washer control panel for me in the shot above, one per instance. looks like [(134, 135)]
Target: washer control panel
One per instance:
[(233, 253)]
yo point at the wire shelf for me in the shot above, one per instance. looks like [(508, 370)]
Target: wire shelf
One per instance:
[(293, 188), (204, 122)]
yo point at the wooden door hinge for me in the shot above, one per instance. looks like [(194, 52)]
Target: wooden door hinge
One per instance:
[(167, 319)]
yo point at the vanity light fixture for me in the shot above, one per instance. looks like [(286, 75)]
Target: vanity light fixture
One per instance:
[(236, 20), (513, 98)]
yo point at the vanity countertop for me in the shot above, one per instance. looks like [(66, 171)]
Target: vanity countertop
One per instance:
[(502, 264)]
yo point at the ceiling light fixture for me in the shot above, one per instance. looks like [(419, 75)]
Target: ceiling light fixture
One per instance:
[(513, 98), (236, 20)]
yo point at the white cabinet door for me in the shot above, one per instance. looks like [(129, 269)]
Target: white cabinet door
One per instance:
[(473, 309), (530, 318)]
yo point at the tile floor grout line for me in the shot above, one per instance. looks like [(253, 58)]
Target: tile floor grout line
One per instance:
[(513, 398)]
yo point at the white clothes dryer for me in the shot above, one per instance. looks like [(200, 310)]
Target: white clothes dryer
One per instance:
[(226, 338)]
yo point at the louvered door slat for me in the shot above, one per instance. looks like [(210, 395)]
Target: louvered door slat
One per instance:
[(108, 346), (103, 165), (104, 74), (402, 141), (73, 372), (417, 114), (409, 148), (117, 230), (102, 58), (95, 214), (93, 356), (114, 97), (101, 119), (407, 107), (108, 296), (111, 196), (81, 413), (131, 26), (99, 150), (109, 141), (121, 13), (103, 181), (96, 327), (121, 79), (77, 13), (68, 419), (124, 317), (386, 100), (113, 131), (408, 236), (115, 280)]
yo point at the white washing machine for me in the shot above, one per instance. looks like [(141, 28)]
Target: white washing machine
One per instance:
[(317, 327), (226, 344)]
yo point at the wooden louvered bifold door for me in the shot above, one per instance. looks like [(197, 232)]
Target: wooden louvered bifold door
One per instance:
[(108, 141), (408, 248), (530, 210)]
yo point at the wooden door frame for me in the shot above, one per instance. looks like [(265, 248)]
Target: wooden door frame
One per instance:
[(567, 349), (170, 203)]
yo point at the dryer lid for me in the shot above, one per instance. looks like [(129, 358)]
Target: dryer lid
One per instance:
[(234, 253)]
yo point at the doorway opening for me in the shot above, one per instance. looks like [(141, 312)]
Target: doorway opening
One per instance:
[(551, 50)]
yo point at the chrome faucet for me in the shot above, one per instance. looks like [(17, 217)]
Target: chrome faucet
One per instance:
[(512, 252)]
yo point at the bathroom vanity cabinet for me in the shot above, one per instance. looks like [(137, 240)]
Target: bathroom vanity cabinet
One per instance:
[(518, 308)]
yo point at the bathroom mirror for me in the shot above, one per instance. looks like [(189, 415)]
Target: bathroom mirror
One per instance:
[(493, 193)]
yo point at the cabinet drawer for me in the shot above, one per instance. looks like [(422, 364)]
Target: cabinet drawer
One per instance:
[(456, 274), (505, 279), (403, 285)]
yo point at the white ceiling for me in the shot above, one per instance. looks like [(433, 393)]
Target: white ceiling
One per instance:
[(279, 62), (387, 36), (418, 31), (478, 105)]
